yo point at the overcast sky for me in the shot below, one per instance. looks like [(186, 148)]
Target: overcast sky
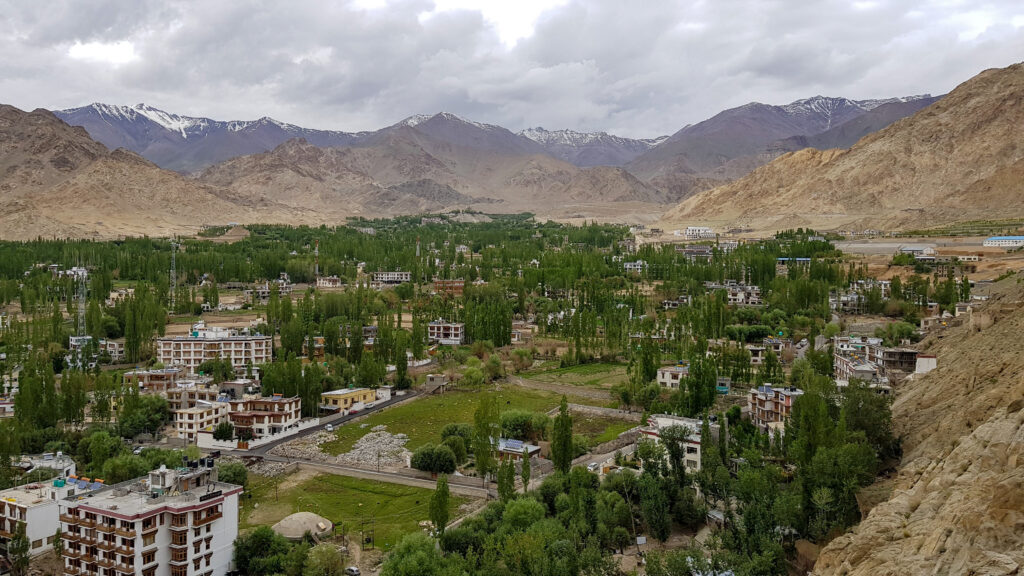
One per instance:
[(637, 68)]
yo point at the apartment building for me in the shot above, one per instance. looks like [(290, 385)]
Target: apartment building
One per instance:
[(207, 343), (397, 277), (698, 233), (36, 505), (770, 406), (671, 376), (446, 333), (657, 424), (1004, 242), (329, 282), (157, 380), (265, 415), (113, 348), (449, 287), (179, 522), (636, 267), (203, 417)]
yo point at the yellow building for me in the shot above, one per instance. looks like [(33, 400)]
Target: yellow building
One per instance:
[(347, 398)]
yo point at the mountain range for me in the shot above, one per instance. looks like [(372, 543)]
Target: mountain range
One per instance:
[(170, 173)]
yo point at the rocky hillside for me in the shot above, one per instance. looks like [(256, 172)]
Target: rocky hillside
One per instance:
[(57, 181), (955, 160), (958, 502)]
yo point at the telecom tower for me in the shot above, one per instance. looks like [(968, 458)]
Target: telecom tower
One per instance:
[(82, 292), (316, 260), (174, 275), (417, 246)]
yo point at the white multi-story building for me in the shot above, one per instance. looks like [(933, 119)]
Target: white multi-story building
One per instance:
[(36, 506), (170, 523), (638, 266), (329, 282), (1004, 242), (446, 333), (205, 343), (698, 233), (397, 277), (657, 424), (265, 415), (671, 376)]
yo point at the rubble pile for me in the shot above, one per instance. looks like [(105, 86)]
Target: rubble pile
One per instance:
[(379, 447), (306, 448)]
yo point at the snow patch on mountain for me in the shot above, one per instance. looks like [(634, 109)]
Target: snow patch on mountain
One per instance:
[(576, 139)]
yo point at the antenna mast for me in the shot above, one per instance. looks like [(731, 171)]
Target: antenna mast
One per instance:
[(316, 259), (82, 291), (174, 275)]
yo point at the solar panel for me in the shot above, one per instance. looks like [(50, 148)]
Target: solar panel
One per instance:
[(514, 445)]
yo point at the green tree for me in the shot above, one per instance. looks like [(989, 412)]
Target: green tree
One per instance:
[(18, 549), (260, 552), (224, 431), (486, 431), (233, 473), (524, 471), (506, 480), (458, 448), (654, 506), (439, 504), (324, 560), (561, 439)]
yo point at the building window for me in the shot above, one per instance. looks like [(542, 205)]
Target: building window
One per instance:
[(37, 543)]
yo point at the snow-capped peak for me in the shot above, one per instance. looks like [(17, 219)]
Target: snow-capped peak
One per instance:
[(171, 122), (875, 103), (412, 121), (573, 138)]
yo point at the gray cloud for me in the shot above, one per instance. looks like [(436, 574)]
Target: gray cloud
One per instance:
[(636, 69)]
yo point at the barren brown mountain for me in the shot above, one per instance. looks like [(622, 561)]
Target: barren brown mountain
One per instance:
[(56, 181), (957, 504), (958, 159)]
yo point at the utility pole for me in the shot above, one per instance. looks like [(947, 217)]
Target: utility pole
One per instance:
[(316, 259)]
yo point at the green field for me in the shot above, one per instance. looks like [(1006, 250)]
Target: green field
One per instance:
[(600, 429), (422, 419), (395, 509), (590, 375)]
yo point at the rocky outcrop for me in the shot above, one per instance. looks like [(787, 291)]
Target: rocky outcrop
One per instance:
[(958, 502)]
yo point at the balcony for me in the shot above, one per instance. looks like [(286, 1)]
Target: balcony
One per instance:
[(179, 525), (72, 553), (151, 528), (207, 519), (125, 550), (71, 571), (124, 568), (87, 523), (69, 519), (105, 528), (71, 537), (105, 545), (125, 532), (105, 562), (88, 558)]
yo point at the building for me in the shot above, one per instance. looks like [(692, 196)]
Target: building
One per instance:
[(113, 348), (770, 407), (329, 282), (509, 449), (671, 376), (757, 354), (265, 415), (36, 506), (449, 287), (435, 383), (657, 423), (204, 416), (179, 522), (260, 293), (698, 233), (446, 333), (926, 363), (207, 343), (696, 253), (1004, 242), (637, 267), (61, 464), (397, 277), (348, 398)]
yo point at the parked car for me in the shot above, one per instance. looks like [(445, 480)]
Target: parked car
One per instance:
[(352, 571), (329, 428)]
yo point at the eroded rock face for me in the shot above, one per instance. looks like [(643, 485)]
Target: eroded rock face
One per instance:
[(958, 503)]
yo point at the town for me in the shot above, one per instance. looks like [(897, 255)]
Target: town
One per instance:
[(441, 395)]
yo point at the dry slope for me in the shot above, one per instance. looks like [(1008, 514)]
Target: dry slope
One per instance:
[(958, 503), (951, 161)]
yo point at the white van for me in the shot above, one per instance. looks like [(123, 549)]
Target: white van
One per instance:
[(329, 428)]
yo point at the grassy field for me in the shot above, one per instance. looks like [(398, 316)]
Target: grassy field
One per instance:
[(396, 509), (590, 375), (599, 429), (423, 418)]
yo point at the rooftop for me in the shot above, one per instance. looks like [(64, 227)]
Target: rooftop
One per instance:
[(139, 496)]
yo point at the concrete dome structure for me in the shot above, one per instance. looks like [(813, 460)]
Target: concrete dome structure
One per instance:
[(294, 527)]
